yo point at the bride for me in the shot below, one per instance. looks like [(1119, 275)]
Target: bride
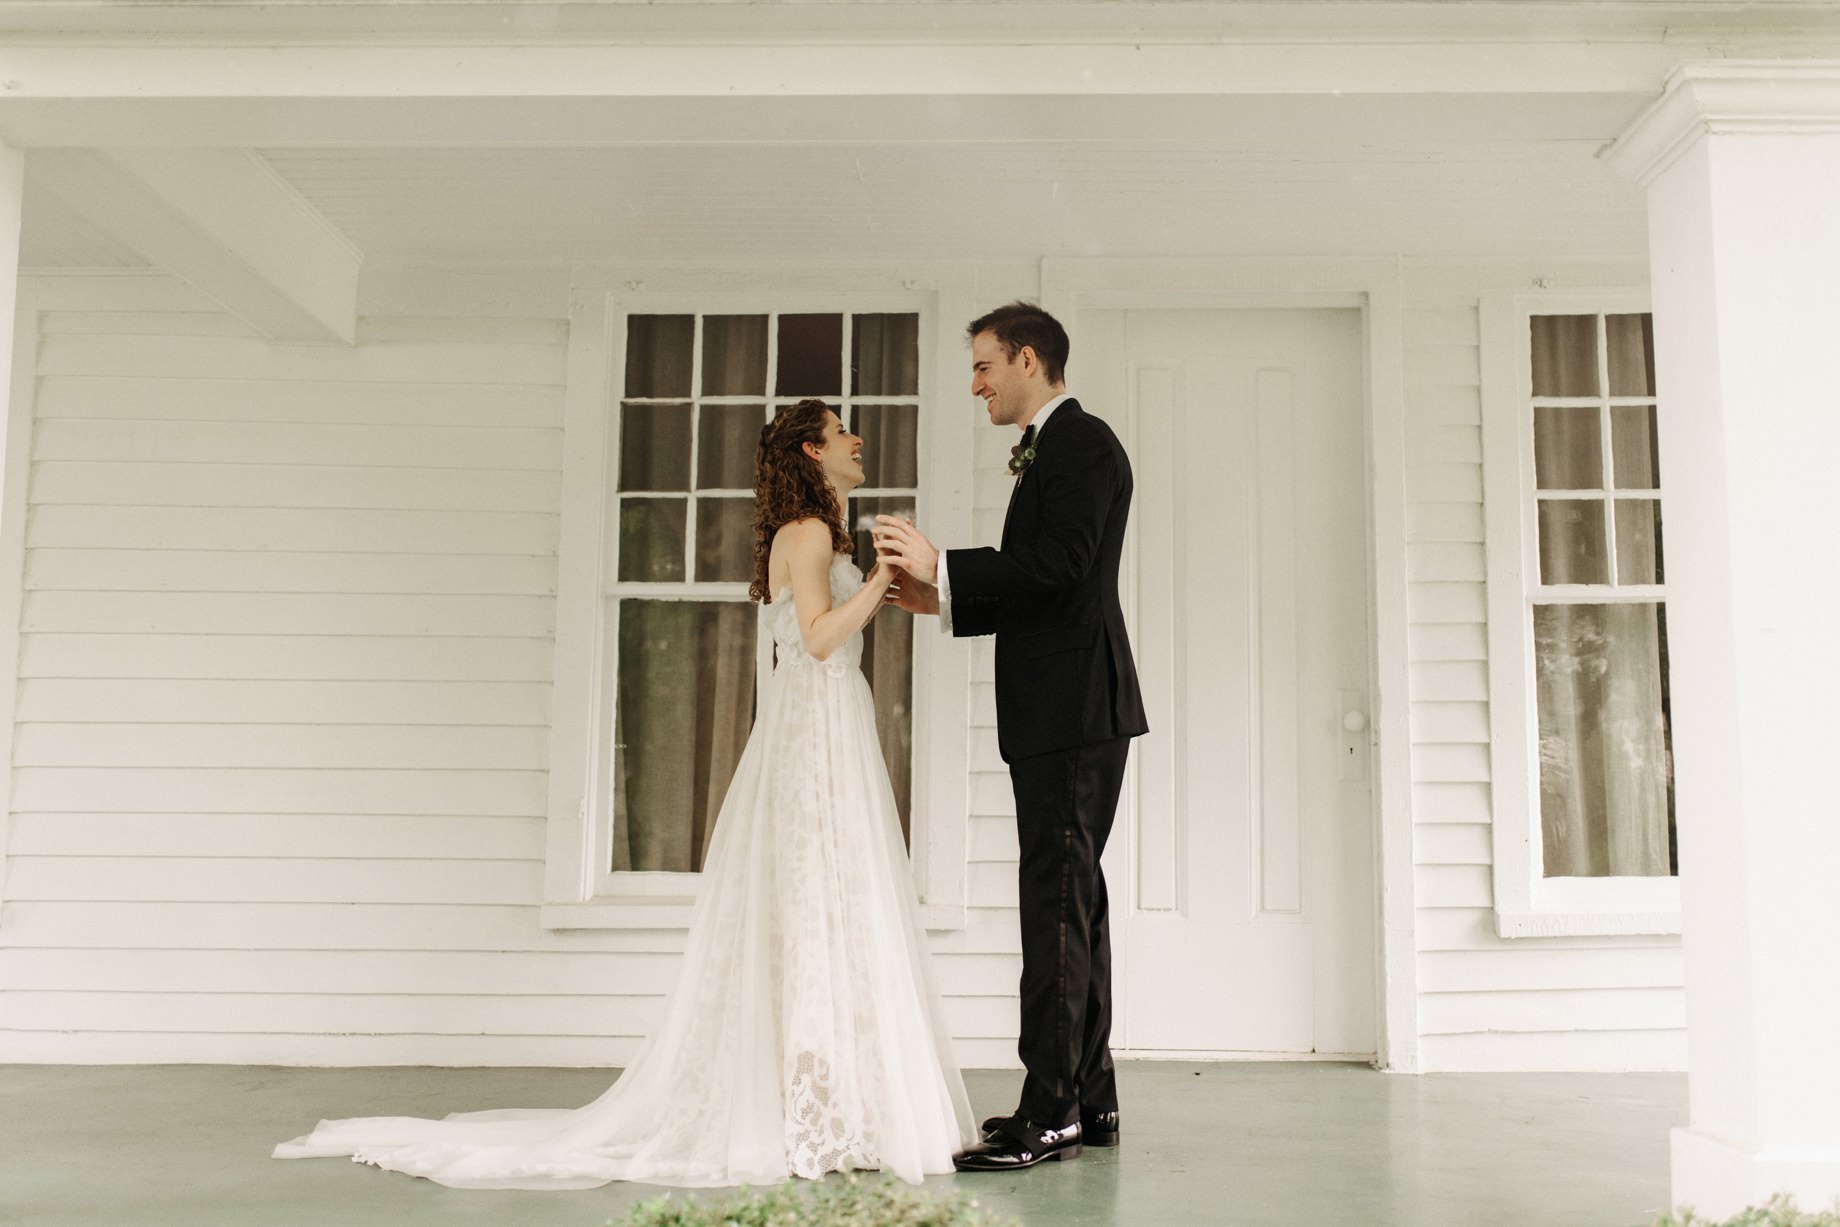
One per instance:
[(804, 1034)]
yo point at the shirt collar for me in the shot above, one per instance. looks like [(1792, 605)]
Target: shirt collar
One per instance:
[(1042, 414)]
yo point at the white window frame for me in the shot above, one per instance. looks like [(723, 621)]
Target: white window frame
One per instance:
[(1528, 904), (578, 892)]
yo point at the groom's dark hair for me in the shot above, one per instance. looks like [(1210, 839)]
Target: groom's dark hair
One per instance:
[(1023, 323)]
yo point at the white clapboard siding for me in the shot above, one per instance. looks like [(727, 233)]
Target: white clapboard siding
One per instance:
[(292, 529), (279, 767), (106, 570), (1486, 1003), (326, 746), (280, 758), (57, 483), (146, 700), (326, 836), (406, 658)]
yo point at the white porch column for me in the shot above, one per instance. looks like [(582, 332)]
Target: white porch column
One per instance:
[(1742, 166)]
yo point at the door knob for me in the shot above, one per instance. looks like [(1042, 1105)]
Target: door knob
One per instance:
[(1354, 721)]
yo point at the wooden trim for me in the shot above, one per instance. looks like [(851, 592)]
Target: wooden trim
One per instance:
[(1525, 903), (581, 706), (1719, 97), (467, 23), (1123, 64), (19, 307), (942, 706), (575, 687), (224, 221), (1390, 618), (14, 508)]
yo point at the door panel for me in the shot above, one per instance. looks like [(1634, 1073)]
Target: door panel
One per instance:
[(1245, 838)]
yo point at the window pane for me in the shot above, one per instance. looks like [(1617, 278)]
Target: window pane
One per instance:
[(1632, 354), (885, 355), (684, 706), (1568, 452), (1572, 542), (727, 437), (1606, 765), (654, 447), (1565, 355), (888, 659), (652, 539), (891, 452), (888, 665), (862, 513), (810, 355), (724, 539), (658, 354), (1633, 447), (1638, 541), (734, 355)]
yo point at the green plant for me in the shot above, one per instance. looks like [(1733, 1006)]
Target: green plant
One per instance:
[(846, 1201), (1779, 1211)]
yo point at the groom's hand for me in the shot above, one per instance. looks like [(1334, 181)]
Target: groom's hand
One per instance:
[(911, 594), (897, 541)]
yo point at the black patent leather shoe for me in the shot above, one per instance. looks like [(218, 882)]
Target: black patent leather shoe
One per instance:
[(1096, 1128), (1014, 1144), (1099, 1128)]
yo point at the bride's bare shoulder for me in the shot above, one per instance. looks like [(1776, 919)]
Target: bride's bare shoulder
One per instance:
[(799, 538), (796, 543)]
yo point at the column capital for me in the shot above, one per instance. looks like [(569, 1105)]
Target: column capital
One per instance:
[(1747, 97)]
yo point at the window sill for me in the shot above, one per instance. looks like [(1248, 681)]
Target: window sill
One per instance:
[(620, 912), (1511, 924)]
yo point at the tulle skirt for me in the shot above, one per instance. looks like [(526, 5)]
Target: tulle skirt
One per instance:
[(804, 1033)]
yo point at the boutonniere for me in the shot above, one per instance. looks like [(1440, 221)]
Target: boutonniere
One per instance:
[(1020, 458)]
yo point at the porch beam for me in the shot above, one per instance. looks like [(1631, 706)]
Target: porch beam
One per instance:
[(890, 119), (1742, 167), (221, 220), (472, 22), (124, 96)]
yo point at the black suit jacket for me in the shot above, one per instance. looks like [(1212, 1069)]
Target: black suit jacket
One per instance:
[(1065, 676)]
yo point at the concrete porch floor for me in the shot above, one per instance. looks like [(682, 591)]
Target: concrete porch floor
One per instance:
[(1252, 1145)]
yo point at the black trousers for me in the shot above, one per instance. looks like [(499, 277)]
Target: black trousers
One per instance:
[(1064, 807)]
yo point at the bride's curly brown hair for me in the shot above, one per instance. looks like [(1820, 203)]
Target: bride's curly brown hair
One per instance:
[(789, 485)]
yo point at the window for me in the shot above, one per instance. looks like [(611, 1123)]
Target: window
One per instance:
[(685, 659), (1578, 621)]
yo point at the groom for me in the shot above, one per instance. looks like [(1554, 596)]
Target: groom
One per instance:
[(1067, 708)]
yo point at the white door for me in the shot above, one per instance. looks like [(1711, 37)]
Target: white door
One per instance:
[(1242, 867)]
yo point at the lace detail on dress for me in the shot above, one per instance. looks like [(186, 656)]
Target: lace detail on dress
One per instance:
[(824, 1131), (781, 619)]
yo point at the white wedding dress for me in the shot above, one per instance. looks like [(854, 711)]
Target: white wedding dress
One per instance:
[(804, 1034)]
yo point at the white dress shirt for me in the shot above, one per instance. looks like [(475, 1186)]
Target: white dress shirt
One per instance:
[(1039, 422)]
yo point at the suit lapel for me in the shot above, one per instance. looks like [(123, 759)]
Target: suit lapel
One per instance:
[(1067, 407), (1014, 489)]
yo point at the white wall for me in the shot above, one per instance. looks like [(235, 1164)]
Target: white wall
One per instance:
[(1486, 1002), (278, 787)]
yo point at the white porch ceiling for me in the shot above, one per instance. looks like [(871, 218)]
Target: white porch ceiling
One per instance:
[(720, 202), (505, 132)]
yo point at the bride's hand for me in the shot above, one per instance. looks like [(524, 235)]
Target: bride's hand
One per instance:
[(882, 574)]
